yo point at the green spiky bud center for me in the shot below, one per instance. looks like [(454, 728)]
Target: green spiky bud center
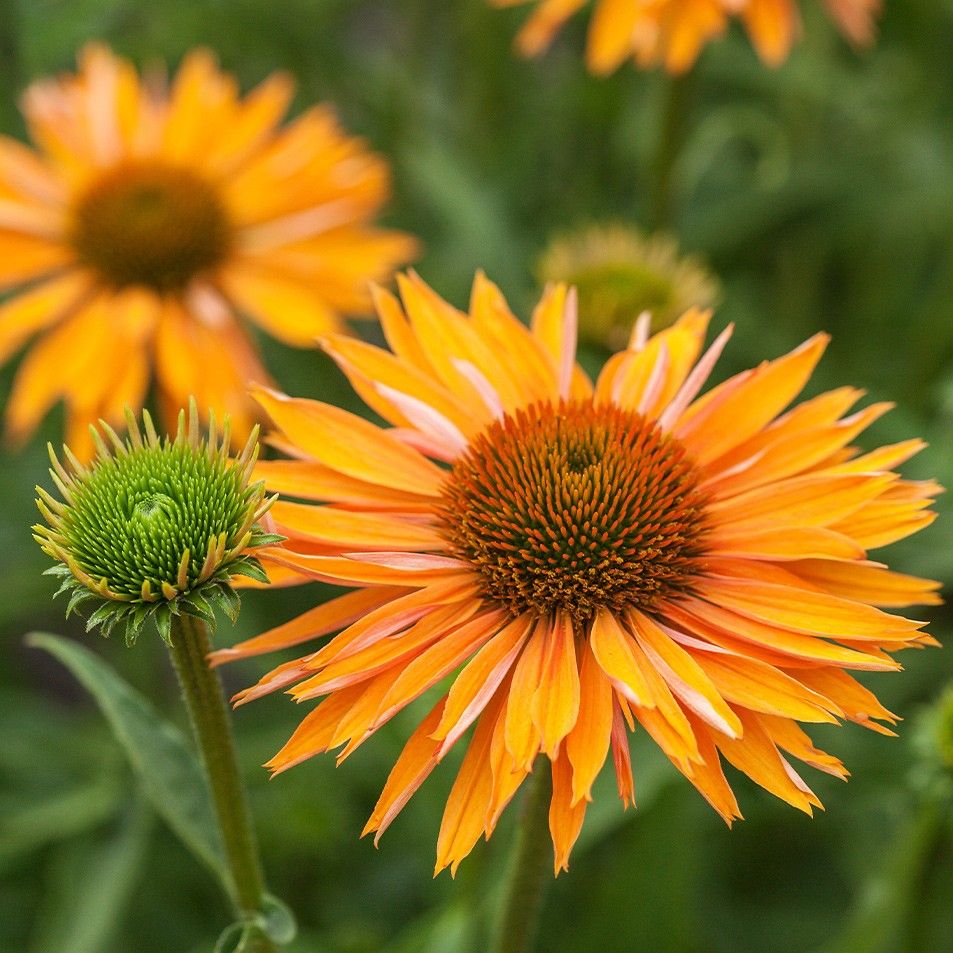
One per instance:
[(155, 528), (135, 516)]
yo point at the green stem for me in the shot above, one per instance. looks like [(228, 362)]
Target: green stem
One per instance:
[(532, 859), (11, 73), (209, 714), (671, 138)]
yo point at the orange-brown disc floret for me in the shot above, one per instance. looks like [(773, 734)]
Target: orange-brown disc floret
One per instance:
[(576, 507)]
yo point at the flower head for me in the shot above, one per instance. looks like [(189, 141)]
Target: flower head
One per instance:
[(618, 273), (672, 33), (158, 219), (155, 527), (581, 558)]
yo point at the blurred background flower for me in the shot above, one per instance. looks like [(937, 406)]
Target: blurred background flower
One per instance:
[(619, 272), (150, 221), (671, 33)]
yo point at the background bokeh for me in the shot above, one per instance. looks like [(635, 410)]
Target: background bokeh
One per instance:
[(822, 196)]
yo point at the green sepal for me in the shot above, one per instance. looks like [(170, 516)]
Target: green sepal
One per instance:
[(99, 616), (230, 601), (79, 596), (111, 619), (248, 566), (136, 619), (59, 569), (68, 583), (195, 604), (260, 538), (163, 619)]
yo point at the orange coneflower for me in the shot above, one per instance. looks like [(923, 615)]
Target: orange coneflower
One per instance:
[(673, 32), (595, 557), (150, 220)]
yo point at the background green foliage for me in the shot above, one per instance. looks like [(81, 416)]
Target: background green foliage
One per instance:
[(822, 195)]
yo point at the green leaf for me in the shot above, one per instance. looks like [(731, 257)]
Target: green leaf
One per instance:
[(60, 816), (274, 923), (82, 912), (277, 921), (171, 778)]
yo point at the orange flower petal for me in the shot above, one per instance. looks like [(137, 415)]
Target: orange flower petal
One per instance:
[(411, 769), (555, 704), (352, 530), (709, 779), (464, 818), (862, 582), (617, 655), (479, 680), (565, 817), (587, 744), (315, 481), (757, 756), (684, 675), (522, 735), (350, 444), (437, 661), (801, 610), (322, 620), (749, 402)]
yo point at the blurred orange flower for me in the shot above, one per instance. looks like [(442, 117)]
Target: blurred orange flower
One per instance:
[(584, 557), (150, 220), (672, 32)]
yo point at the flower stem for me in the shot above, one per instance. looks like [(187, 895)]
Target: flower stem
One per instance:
[(671, 138), (208, 712), (11, 74), (532, 857)]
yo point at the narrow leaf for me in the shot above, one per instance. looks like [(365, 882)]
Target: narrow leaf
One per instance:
[(171, 778)]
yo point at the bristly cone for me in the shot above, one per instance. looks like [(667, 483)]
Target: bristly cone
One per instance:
[(155, 527)]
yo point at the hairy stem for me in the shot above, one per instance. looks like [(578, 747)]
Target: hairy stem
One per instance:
[(211, 724)]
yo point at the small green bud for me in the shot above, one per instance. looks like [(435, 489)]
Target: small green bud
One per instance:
[(154, 527), (619, 273)]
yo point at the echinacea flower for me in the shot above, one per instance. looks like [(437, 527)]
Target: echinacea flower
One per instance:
[(581, 559), (149, 223), (155, 527), (672, 33), (619, 272)]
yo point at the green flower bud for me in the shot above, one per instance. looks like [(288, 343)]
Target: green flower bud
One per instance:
[(619, 273), (154, 527)]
